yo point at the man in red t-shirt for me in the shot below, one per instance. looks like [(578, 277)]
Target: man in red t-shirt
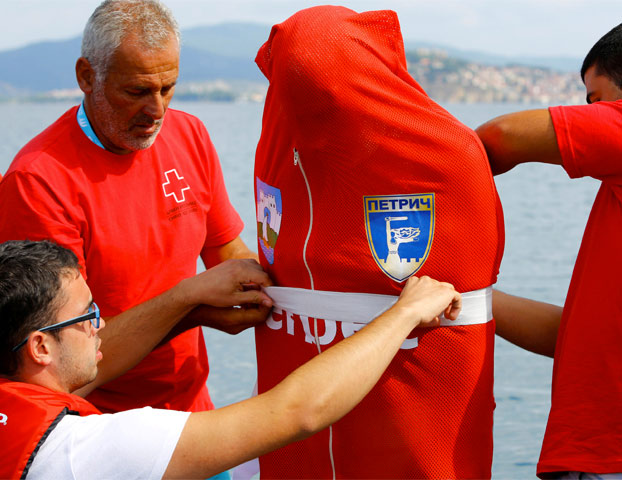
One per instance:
[(584, 430), (138, 196)]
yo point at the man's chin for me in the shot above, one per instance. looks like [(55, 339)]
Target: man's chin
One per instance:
[(141, 142)]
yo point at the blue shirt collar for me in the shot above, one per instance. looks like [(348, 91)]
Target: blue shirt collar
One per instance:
[(85, 125)]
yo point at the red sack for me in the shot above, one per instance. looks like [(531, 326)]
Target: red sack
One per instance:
[(361, 181)]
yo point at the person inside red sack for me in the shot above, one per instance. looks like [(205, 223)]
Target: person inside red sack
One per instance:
[(362, 181)]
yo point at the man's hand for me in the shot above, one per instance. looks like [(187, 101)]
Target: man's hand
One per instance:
[(426, 299), (230, 283)]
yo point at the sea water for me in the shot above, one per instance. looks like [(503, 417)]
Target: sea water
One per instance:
[(545, 214)]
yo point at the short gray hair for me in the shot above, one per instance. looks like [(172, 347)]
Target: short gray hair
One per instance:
[(113, 19)]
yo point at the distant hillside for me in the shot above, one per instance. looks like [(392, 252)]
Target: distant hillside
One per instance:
[(563, 64), (236, 40), (449, 79), (50, 65), (41, 66), (217, 62), (198, 65)]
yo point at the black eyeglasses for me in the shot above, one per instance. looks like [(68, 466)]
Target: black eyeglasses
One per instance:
[(92, 315)]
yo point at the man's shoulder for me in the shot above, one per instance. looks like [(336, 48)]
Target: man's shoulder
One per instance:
[(599, 111), (135, 443), (175, 116), (184, 130), (51, 142)]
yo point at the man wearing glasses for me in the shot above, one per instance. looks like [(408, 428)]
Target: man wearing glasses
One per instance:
[(91, 314), (49, 356)]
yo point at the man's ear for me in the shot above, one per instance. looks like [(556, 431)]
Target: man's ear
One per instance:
[(39, 348), (85, 75)]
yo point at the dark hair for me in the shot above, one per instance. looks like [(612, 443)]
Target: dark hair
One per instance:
[(30, 281), (606, 55)]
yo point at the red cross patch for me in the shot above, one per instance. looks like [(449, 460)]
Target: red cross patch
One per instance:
[(175, 186)]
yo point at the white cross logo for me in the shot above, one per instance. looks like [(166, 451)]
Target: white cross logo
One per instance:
[(176, 186)]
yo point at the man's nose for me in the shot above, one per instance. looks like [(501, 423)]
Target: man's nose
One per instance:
[(155, 106), (102, 324)]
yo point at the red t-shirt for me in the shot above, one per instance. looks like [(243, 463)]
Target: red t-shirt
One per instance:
[(584, 430), (137, 223), (362, 181)]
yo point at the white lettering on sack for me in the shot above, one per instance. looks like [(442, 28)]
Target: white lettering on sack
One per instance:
[(278, 316)]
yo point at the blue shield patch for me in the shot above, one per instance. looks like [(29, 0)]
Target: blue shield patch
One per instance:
[(400, 230), (269, 212)]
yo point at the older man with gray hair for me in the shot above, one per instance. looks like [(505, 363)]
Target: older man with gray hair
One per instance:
[(136, 191)]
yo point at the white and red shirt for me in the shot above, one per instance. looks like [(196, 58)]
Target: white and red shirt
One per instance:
[(28, 414), (48, 434)]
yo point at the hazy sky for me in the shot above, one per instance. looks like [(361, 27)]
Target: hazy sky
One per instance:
[(514, 27)]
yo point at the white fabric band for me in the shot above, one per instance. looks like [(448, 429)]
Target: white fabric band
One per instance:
[(364, 307)]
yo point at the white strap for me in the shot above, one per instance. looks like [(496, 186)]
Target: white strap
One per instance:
[(364, 307)]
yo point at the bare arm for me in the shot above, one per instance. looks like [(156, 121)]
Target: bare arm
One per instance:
[(313, 396), (231, 320), (131, 335), (527, 323), (236, 248), (510, 140), (520, 137)]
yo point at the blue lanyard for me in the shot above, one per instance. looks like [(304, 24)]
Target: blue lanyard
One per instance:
[(85, 125)]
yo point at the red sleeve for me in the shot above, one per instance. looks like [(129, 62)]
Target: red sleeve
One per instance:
[(30, 210), (223, 221), (589, 139)]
